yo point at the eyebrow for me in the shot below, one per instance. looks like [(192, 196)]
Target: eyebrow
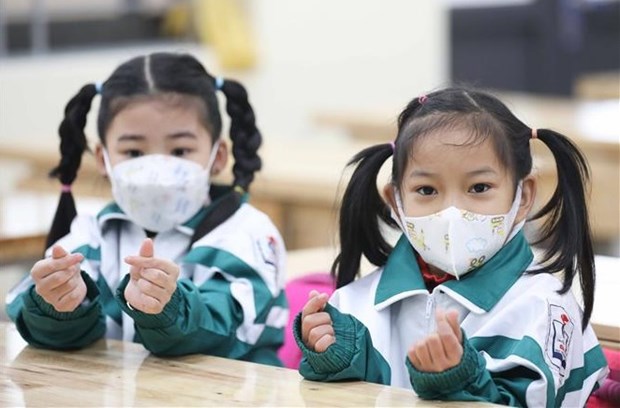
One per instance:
[(481, 171), (173, 136), (476, 172), (181, 135), (421, 173), (130, 138)]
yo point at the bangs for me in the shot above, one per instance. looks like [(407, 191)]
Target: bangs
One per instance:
[(171, 99), (478, 126)]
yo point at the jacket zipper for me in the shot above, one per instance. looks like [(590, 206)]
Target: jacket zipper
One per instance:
[(430, 306)]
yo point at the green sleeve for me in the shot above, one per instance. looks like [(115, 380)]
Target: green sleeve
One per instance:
[(351, 357), (198, 320), (42, 326), (468, 381)]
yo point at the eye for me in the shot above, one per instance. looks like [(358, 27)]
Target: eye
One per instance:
[(426, 190), (180, 151), (479, 188), (133, 153)]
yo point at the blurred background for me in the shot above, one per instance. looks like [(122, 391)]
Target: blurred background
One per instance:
[(326, 78)]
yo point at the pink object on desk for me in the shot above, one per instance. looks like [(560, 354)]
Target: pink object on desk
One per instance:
[(608, 395), (297, 291)]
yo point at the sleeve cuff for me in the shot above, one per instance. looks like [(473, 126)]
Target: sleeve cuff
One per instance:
[(430, 385), (339, 355), (92, 294), (165, 318)]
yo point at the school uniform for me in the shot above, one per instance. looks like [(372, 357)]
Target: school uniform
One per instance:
[(523, 342), (229, 299)]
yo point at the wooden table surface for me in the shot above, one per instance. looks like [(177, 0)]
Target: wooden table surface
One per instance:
[(115, 373), (606, 312)]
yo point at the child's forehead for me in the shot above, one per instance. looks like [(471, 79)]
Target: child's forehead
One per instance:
[(161, 101), (442, 147)]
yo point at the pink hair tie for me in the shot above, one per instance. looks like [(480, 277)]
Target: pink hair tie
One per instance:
[(422, 99), (65, 188), (534, 133), (393, 146)]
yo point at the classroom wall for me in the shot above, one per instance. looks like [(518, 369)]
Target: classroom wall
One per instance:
[(313, 56), (344, 55)]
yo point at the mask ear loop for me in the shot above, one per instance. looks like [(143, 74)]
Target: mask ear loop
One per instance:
[(213, 155), (107, 164), (208, 168), (513, 212), (399, 215)]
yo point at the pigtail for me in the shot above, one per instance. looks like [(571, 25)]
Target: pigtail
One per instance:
[(566, 229), (361, 208), (72, 145), (244, 134)]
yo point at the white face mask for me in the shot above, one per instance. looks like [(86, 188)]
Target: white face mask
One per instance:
[(159, 192), (458, 241)]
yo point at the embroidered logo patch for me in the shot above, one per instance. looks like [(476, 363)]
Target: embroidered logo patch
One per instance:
[(267, 249), (559, 337)]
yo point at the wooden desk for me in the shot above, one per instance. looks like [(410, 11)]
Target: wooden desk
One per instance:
[(568, 116), (606, 312), (599, 85), (114, 373)]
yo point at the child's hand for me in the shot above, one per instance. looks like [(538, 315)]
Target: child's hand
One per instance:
[(152, 281), (441, 350), (317, 331), (58, 280)]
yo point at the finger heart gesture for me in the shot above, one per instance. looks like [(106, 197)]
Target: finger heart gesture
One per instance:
[(152, 281)]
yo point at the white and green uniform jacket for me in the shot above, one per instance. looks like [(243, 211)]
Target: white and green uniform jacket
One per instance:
[(229, 299), (523, 343)]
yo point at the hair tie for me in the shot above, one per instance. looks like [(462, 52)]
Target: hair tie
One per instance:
[(65, 188), (534, 133), (393, 146), (98, 87), (239, 190), (219, 83), (422, 99)]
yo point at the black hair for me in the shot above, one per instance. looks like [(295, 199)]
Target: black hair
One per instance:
[(565, 230), (154, 76)]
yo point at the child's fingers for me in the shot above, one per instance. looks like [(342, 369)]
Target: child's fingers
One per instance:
[(445, 351), (146, 249), (452, 317), (147, 304), (324, 342), (413, 357), (156, 277), (424, 356), (312, 321), (58, 252), (55, 280), (164, 265), (64, 290), (48, 266), (314, 305), (153, 291), (73, 297), (317, 333), (452, 351), (313, 293)]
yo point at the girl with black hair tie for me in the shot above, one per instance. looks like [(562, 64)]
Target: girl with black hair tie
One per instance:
[(459, 309), (175, 263)]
